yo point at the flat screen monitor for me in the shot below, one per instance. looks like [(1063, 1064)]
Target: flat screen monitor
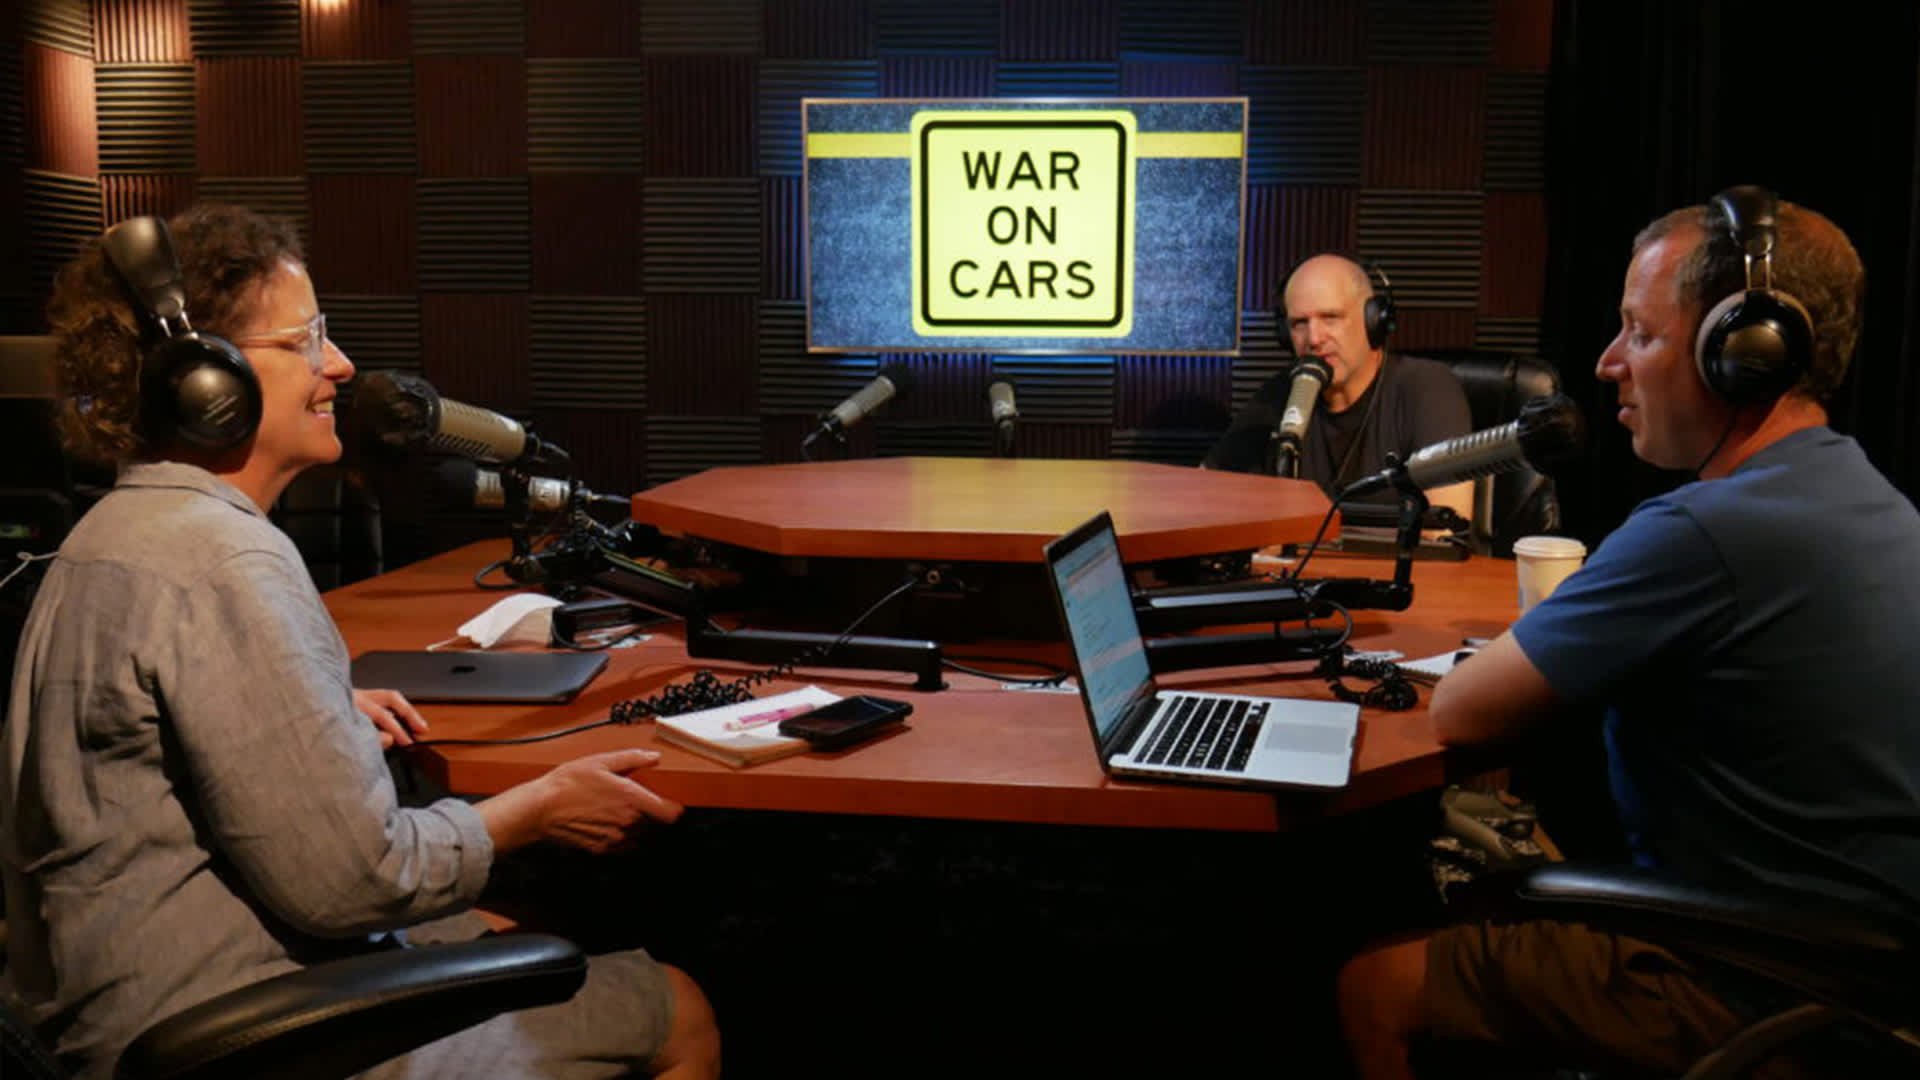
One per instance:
[(1029, 226)]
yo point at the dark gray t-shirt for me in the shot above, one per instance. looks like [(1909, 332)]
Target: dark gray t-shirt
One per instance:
[(1414, 402)]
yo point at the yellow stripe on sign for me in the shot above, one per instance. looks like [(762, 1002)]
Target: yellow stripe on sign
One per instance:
[(1189, 144), (899, 144), (859, 144)]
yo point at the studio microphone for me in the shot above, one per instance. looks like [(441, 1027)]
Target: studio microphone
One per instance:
[(468, 486), (1001, 409), (405, 412), (1309, 375), (892, 380), (1549, 430)]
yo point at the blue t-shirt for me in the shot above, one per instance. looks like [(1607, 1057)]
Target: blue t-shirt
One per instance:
[(1756, 641)]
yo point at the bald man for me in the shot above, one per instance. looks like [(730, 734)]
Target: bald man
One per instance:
[(1375, 403)]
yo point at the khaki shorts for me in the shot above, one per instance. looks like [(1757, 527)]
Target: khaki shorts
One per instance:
[(1563, 991), (611, 1028)]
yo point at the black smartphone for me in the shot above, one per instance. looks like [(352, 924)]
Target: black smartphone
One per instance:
[(847, 721)]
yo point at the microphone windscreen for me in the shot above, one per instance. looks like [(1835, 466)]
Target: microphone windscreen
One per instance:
[(395, 408), (456, 476), (454, 483), (1313, 364), (1305, 381), (1552, 431), (1000, 405)]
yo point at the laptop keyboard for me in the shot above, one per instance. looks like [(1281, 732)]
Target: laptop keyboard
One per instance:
[(1217, 734)]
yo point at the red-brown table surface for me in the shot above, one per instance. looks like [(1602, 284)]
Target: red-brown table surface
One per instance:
[(974, 751), (980, 509)]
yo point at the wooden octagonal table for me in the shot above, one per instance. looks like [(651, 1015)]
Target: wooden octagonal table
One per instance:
[(980, 509)]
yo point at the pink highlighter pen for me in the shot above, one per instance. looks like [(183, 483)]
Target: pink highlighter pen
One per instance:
[(748, 723)]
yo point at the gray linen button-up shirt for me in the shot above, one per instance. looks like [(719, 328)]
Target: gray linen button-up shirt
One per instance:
[(189, 801)]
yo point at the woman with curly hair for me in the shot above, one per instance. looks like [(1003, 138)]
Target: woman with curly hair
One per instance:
[(191, 797)]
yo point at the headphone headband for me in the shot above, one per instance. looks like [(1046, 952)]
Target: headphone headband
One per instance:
[(1749, 213), (141, 252), (194, 388)]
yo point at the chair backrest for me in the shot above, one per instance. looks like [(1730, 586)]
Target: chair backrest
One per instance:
[(335, 523), (1514, 504), (26, 365), (30, 454), (38, 503)]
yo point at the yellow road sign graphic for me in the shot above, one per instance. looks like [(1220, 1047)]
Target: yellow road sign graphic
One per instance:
[(1023, 222)]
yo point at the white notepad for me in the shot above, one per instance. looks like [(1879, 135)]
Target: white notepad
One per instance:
[(746, 733)]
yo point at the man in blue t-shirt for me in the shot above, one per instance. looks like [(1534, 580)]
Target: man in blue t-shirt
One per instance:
[(1748, 634)]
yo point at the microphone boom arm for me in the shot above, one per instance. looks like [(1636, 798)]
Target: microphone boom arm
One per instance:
[(1413, 509), (1395, 595), (514, 484)]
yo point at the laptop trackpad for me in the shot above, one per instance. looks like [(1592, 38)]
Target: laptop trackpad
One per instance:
[(1306, 738)]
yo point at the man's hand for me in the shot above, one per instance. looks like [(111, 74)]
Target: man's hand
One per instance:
[(589, 803), (393, 716)]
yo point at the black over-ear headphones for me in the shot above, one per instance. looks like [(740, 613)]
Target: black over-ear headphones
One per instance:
[(1756, 343), (1380, 316), (194, 387)]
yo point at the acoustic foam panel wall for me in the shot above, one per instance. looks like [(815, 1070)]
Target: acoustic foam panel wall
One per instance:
[(591, 214)]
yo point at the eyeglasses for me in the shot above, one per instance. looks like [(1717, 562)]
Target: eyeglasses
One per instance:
[(310, 339)]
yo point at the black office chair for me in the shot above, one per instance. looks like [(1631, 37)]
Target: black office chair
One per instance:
[(335, 523), (331, 1020), (1832, 965), (1515, 504)]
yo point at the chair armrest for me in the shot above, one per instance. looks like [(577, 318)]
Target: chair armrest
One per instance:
[(1858, 959), (345, 1016)]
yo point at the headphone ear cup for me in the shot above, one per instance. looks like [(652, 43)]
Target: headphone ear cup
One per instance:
[(1381, 320), (1379, 317), (1753, 346), (194, 388), (201, 390)]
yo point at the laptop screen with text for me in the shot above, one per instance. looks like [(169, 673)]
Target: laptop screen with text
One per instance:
[(1099, 616)]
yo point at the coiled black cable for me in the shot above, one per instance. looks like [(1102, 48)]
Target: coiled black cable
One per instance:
[(1390, 691)]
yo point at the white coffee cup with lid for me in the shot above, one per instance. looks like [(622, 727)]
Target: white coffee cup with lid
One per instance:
[(1542, 562)]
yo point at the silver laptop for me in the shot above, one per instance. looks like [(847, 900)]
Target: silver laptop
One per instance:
[(1141, 731)]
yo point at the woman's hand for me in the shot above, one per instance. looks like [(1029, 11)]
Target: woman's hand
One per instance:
[(592, 803), (393, 716)]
